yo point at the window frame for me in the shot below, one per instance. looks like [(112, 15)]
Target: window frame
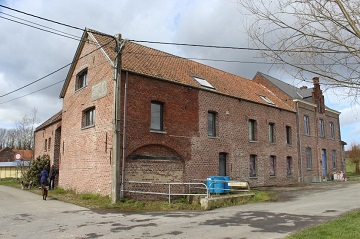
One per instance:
[(81, 79), (307, 125), (333, 159), (49, 143), (88, 117), (45, 145), (289, 165), (253, 166), (211, 123), (288, 134), (332, 130), (252, 125), (157, 117), (272, 133), (272, 166), (321, 128), (308, 153)]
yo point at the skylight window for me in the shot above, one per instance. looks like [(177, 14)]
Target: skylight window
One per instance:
[(267, 100), (204, 83)]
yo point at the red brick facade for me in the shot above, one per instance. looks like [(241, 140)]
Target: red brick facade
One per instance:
[(314, 168), (182, 150)]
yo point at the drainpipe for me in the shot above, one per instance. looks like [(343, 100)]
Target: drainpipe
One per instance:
[(124, 137), (115, 192), (342, 156), (299, 142)]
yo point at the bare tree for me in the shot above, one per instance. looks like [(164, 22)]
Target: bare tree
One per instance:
[(354, 155), (321, 37), (3, 133), (11, 138), (25, 130), (22, 137)]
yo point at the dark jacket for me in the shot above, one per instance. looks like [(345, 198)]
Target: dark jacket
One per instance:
[(43, 176)]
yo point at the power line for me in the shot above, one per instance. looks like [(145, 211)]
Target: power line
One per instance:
[(234, 47), (52, 21), (32, 92), (182, 44), (42, 18), (38, 24), (40, 28), (55, 70)]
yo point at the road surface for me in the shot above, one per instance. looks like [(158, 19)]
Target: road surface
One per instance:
[(25, 215)]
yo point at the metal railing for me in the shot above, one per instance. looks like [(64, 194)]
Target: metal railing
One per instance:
[(209, 187), (170, 186)]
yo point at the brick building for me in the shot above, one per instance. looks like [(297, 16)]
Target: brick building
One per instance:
[(318, 128), (180, 121), (9, 155), (47, 140)]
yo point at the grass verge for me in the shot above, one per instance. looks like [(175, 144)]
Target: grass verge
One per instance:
[(345, 227), (96, 201)]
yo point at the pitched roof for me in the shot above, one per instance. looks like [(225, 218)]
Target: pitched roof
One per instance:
[(147, 61), (26, 154), (290, 90), (7, 148), (53, 119)]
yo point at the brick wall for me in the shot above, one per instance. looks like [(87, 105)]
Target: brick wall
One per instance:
[(47, 134), (232, 116), (158, 156), (317, 143), (85, 153)]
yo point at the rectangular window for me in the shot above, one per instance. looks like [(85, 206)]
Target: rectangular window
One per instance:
[(307, 125), (45, 145), (289, 165), (88, 117), (333, 158), (332, 130), (321, 128), (271, 133), (253, 166), (211, 124), (288, 134), (252, 130), (81, 80), (308, 158), (272, 165), (157, 116), (49, 143)]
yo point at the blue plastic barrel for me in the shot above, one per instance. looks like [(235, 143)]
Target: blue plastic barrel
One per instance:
[(209, 184), (226, 185), (215, 184)]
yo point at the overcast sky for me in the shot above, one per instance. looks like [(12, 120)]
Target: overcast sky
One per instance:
[(28, 54)]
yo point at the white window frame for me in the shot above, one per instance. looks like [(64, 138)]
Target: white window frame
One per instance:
[(88, 118)]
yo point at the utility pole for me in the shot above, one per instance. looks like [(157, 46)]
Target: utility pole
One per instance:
[(116, 153)]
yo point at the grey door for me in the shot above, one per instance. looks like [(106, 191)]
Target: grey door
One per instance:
[(222, 164), (324, 162)]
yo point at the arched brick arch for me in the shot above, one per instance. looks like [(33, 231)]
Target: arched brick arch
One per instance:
[(153, 163)]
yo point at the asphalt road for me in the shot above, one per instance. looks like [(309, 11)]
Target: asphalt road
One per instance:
[(25, 215)]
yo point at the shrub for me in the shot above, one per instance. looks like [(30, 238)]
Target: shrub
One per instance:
[(33, 173)]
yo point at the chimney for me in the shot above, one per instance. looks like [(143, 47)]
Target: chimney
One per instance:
[(304, 87), (317, 96)]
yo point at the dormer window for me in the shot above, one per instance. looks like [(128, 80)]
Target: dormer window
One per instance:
[(266, 100), (81, 79), (204, 83)]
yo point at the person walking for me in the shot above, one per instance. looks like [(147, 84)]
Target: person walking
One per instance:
[(43, 177), (52, 176)]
